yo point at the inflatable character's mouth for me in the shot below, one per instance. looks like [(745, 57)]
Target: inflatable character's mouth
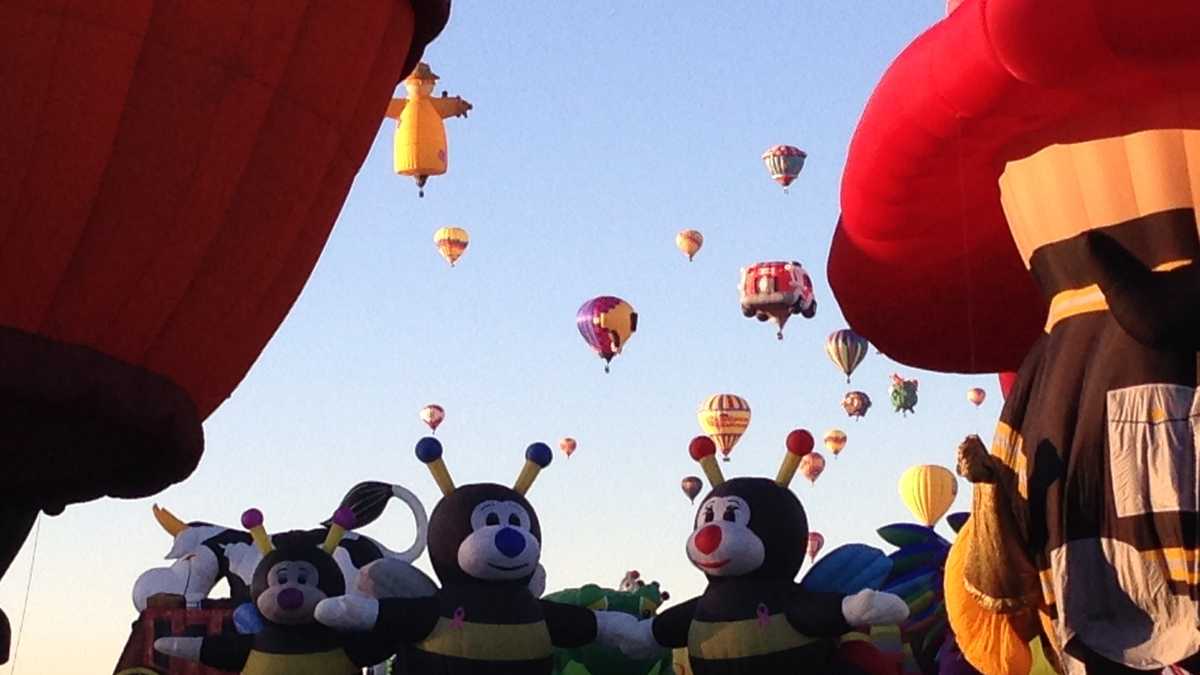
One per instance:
[(712, 565), (507, 569)]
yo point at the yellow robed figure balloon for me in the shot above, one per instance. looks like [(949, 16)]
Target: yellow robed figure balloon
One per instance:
[(420, 145)]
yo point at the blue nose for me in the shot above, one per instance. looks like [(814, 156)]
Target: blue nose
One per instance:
[(510, 542)]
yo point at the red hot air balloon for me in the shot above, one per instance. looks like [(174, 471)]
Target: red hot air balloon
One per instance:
[(816, 541), (691, 487), (154, 240), (812, 465)]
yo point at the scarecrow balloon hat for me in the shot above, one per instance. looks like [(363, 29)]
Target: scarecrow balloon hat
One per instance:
[(343, 520), (537, 457)]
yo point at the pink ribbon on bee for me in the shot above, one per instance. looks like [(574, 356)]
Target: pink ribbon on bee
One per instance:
[(764, 616), (460, 614)]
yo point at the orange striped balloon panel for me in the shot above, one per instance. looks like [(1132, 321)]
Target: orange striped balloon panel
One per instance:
[(451, 242), (724, 418)]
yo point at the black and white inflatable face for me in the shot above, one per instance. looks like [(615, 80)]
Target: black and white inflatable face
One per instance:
[(292, 579), (487, 532), (749, 526)]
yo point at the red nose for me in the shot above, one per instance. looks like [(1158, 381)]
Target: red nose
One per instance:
[(708, 539)]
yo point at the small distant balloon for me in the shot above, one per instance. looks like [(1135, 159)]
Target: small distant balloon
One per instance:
[(816, 541), (856, 403), (835, 440), (904, 394), (976, 395), (784, 163), (432, 415), (691, 487), (689, 242), (567, 445), (451, 242), (846, 349), (811, 466)]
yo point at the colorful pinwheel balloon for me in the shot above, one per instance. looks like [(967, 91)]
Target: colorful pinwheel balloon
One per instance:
[(689, 242), (451, 242), (856, 403), (816, 541), (724, 418), (847, 349), (811, 466), (928, 490), (432, 415), (567, 445), (976, 395), (606, 324), (835, 440), (784, 163), (691, 487)]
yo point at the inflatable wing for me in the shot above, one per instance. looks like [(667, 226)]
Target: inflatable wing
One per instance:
[(848, 569)]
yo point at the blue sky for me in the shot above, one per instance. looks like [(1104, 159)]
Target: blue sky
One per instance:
[(600, 129)]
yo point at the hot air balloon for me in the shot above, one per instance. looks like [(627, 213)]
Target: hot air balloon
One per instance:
[(847, 349), (567, 445), (451, 242), (903, 394), (835, 440), (420, 142), (689, 242), (724, 418), (816, 541), (812, 465), (432, 415), (784, 163), (976, 396), (154, 243), (856, 403), (691, 487), (775, 291), (928, 490), (606, 323)]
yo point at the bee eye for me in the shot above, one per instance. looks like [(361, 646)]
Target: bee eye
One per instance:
[(283, 578), (728, 516), (514, 520), (302, 580), (709, 516), (492, 519)]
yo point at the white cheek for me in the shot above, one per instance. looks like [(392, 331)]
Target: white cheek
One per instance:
[(740, 551), (479, 557)]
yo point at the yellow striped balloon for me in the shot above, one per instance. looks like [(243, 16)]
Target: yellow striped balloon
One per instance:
[(835, 440), (724, 418), (689, 241), (451, 242)]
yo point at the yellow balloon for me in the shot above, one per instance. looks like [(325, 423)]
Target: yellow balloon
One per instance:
[(420, 142), (689, 241), (928, 490), (724, 418), (835, 440), (451, 242)]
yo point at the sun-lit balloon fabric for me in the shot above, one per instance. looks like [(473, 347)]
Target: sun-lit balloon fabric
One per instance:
[(451, 242), (689, 242), (976, 396), (724, 418), (816, 542), (154, 242), (784, 163), (928, 490), (420, 149), (606, 324), (846, 349), (568, 445)]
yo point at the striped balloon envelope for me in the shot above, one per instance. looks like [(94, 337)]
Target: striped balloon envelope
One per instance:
[(724, 418), (451, 242), (846, 349), (784, 162)]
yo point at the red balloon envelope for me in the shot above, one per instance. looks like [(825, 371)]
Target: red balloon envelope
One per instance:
[(169, 173), (1006, 382), (921, 210)]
